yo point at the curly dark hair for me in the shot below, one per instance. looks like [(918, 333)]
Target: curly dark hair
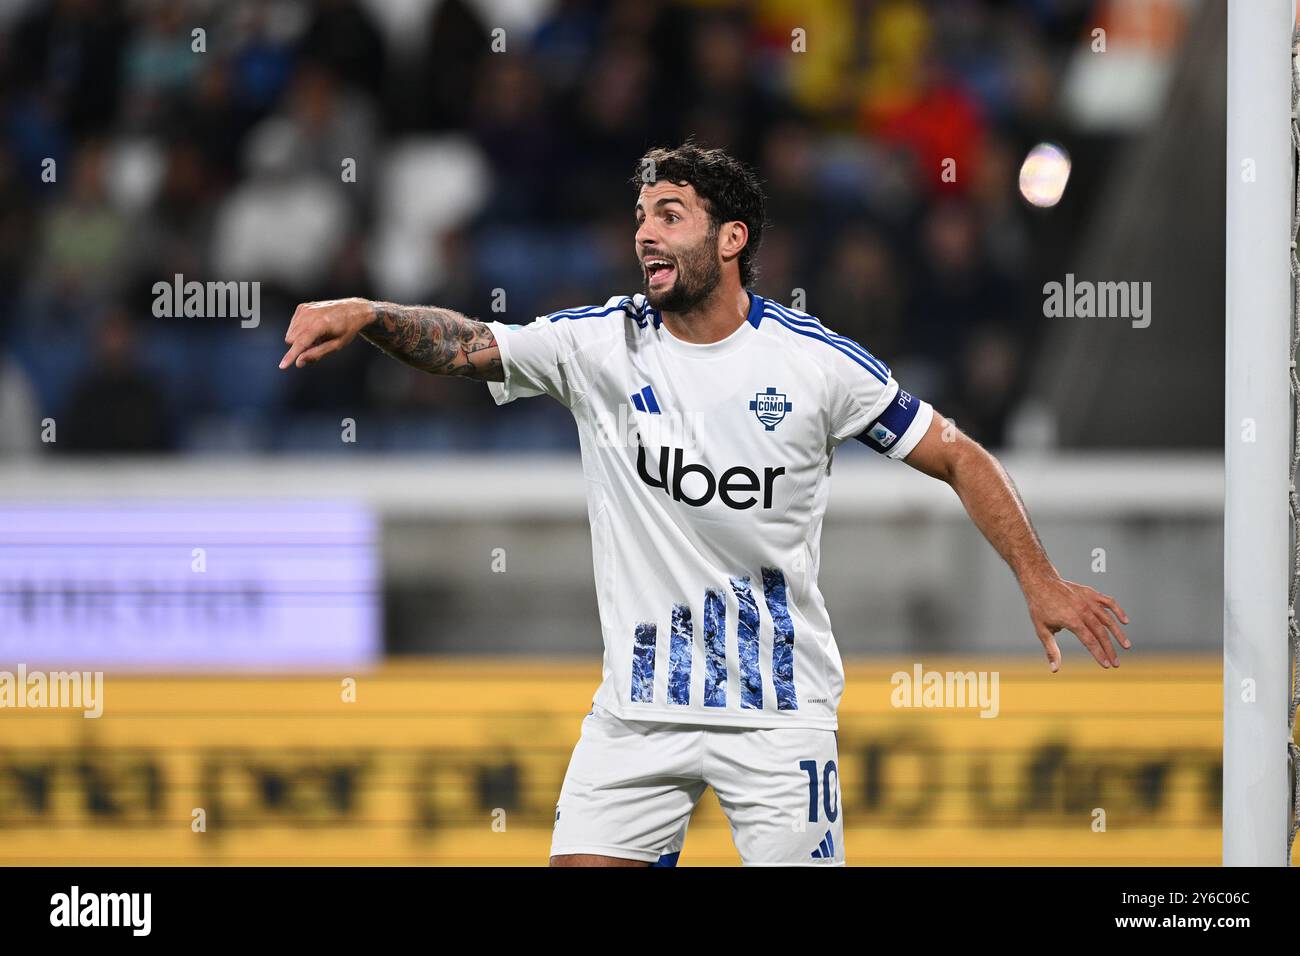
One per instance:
[(731, 190)]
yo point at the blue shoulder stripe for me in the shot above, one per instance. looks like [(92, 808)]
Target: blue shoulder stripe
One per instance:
[(819, 329), (821, 335), (807, 321), (595, 312)]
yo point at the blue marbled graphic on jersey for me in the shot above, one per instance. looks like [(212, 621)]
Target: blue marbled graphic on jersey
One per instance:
[(643, 664), (782, 639), (751, 682), (715, 649), (679, 656)]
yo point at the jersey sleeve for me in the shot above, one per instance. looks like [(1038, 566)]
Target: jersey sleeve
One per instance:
[(545, 357), (868, 404)]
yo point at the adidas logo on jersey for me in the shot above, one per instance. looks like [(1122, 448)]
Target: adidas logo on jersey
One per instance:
[(734, 481), (645, 401)]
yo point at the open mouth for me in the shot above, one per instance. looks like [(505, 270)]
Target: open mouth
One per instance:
[(659, 272)]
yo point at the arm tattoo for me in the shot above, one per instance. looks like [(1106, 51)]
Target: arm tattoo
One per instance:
[(436, 340)]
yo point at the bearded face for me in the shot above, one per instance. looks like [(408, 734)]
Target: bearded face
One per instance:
[(678, 280)]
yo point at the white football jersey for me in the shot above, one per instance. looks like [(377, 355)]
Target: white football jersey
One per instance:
[(707, 472)]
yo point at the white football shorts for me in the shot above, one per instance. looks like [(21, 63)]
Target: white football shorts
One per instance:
[(631, 787)]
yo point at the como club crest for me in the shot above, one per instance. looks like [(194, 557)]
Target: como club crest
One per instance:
[(770, 406)]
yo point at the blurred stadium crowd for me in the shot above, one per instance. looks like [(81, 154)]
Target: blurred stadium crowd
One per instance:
[(487, 177)]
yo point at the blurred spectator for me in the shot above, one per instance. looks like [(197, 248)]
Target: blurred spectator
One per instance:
[(319, 126), (262, 56), (510, 126), (860, 288), (938, 123), (725, 105), (956, 289), (159, 60), (16, 224), (491, 164), (790, 163), (20, 424), (173, 233), (986, 384), (613, 121), (779, 272), (441, 95), (68, 53), (84, 235), (344, 38), (210, 121), (115, 407)]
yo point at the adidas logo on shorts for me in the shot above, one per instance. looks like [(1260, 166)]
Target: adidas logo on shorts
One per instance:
[(826, 849)]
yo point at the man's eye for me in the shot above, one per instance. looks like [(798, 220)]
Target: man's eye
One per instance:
[(671, 217)]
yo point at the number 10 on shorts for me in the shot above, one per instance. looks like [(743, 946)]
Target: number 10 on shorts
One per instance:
[(830, 779)]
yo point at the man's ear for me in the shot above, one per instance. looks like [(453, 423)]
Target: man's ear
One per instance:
[(732, 239)]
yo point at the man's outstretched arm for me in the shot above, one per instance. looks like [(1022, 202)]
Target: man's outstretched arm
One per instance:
[(991, 500), (432, 339)]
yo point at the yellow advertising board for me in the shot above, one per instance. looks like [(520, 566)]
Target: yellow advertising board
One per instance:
[(460, 762)]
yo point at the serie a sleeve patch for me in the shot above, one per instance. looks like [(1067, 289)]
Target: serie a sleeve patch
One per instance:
[(891, 424)]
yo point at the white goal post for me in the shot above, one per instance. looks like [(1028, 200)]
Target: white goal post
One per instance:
[(1258, 631)]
